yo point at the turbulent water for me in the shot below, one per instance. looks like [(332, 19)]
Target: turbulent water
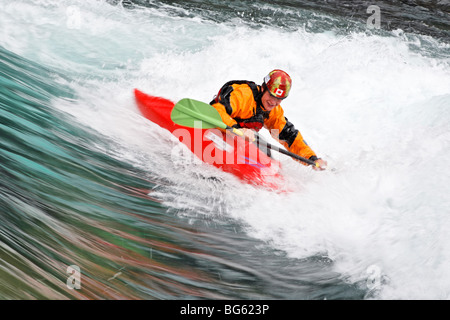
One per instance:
[(87, 182)]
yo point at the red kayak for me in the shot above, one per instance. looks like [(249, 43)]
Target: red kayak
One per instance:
[(214, 146)]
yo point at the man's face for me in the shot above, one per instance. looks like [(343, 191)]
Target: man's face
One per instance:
[(269, 102)]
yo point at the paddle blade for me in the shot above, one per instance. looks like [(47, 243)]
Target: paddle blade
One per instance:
[(196, 114)]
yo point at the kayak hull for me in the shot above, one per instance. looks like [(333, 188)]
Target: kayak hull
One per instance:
[(216, 147)]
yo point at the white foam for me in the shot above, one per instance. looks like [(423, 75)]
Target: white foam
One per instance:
[(376, 110)]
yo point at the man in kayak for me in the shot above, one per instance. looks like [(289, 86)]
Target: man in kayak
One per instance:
[(249, 107)]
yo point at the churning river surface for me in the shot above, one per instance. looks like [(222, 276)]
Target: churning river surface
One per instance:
[(87, 183)]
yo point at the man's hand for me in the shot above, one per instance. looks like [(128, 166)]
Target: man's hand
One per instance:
[(249, 134), (320, 165)]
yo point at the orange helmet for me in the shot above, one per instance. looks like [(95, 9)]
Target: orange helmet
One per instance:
[(278, 83)]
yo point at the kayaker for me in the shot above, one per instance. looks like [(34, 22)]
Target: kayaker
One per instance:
[(248, 106)]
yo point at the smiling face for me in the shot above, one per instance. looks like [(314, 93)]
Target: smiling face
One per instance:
[(269, 102)]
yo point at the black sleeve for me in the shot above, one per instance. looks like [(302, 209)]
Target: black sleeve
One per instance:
[(289, 133)]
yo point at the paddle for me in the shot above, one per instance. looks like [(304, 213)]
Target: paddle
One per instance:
[(188, 112), (293, 155)]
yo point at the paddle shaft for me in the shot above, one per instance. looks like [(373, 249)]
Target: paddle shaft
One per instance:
[(272, 147), (293, 155)]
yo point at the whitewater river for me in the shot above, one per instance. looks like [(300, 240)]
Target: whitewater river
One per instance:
[(89, 185)]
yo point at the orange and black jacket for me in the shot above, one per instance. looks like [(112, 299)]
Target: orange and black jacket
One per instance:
[(239, 105)]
